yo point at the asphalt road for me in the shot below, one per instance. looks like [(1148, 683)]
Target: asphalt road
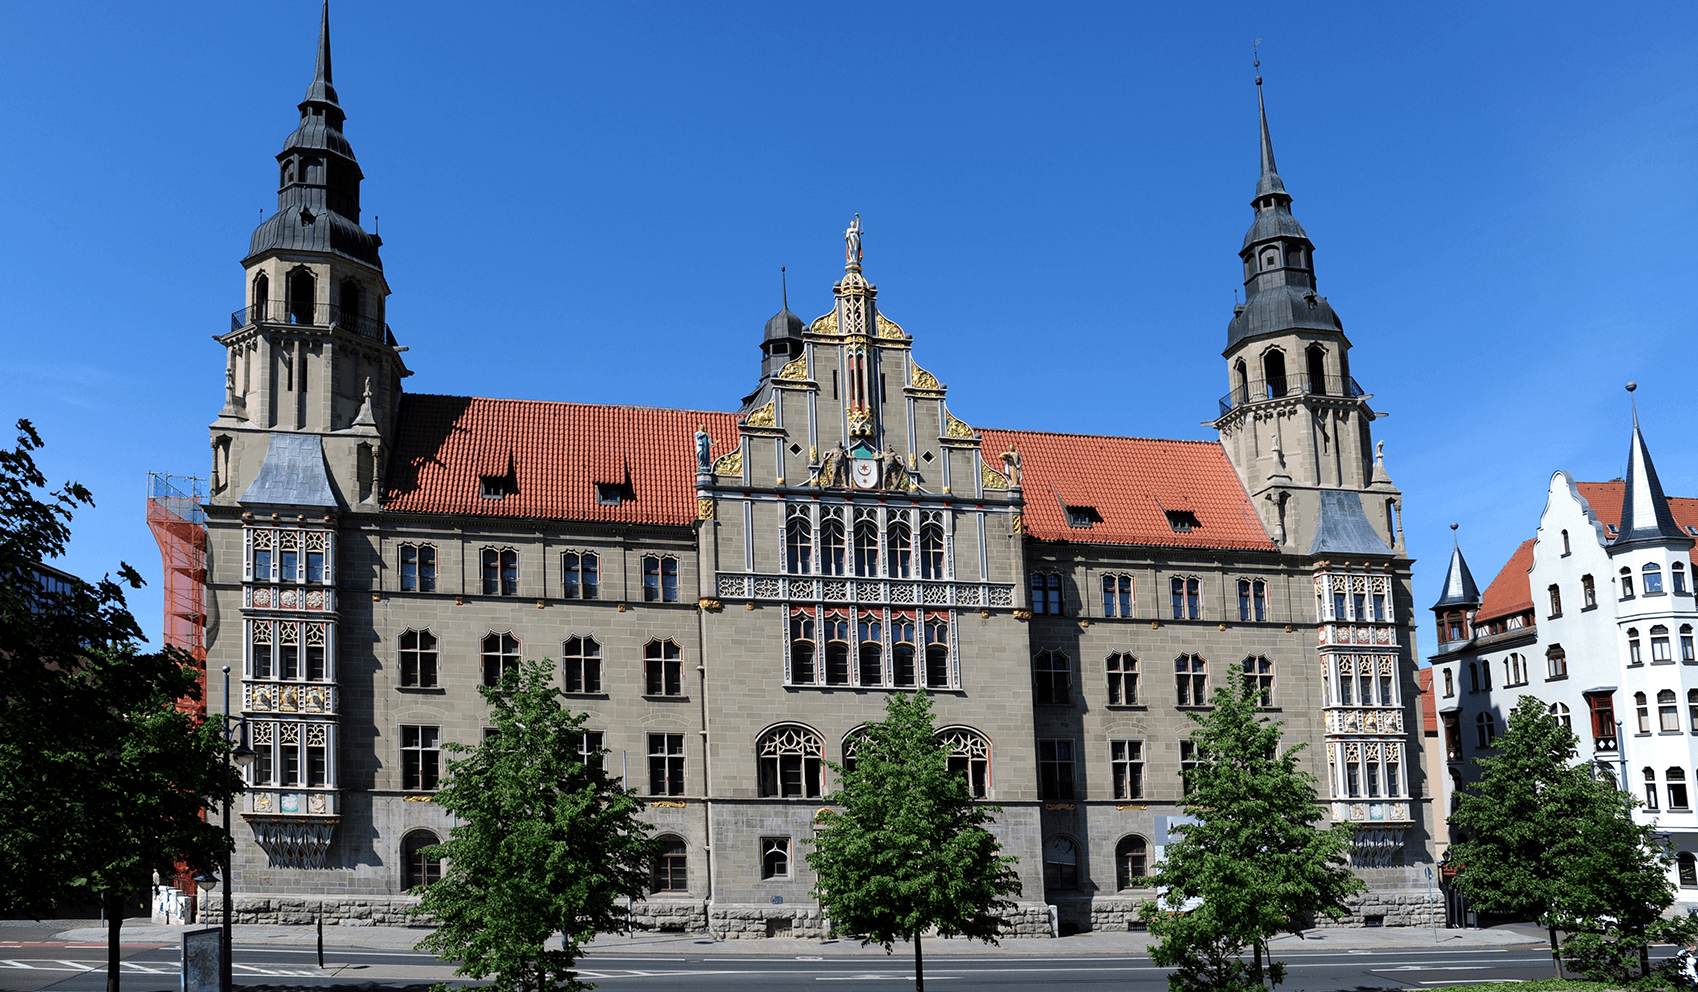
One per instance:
[(28, 967)]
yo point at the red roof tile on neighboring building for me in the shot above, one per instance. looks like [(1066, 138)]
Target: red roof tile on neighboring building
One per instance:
[(557, 453), (1130, 482), (1509, 592), (1605, 499)]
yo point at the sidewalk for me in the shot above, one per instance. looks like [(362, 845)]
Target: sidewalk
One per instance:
[(1097, 943)]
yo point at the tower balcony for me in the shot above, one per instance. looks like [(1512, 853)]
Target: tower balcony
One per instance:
[(1281, 387), (311, 315)]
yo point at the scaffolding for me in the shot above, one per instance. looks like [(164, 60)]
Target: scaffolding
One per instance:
[(178, 522)]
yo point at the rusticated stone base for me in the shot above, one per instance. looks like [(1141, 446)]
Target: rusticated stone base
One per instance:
[(731, 921), (1116, 914), (669, 916), (347, 911), (1389, 908)]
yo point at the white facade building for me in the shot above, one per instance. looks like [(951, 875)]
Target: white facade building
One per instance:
[(1595, 616)]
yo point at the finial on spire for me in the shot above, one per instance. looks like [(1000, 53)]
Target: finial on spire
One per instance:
[(321, 72), (1269, 181), (852, 245), (1255, 53), (784, 284)]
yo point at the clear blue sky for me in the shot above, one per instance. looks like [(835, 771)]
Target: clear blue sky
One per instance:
[(592, 203)]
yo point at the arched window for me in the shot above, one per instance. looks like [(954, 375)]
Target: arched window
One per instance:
[(1347, 694), (1241, 381), (1061, 864), (500, 658), (1052, 674), (803, 649), (866, 548), (1565, 547), (1273, 373), (870, 654), (416, 867), (262, 296), (1486, 676), (580, 662), (1588, 592), (1686, 653), (937, 652), (663, 668), (899, 551), (970, 757), (1122, 672), (286, 172), (1259, 676), (799, 546), (1660, 644), (1668, 712), (1634, 655), (1650, 788), (1626, 583), (1688, 866), (303, 293), (660, 579), (1131, 863), (931, 552), (1560, 711), (1192, 677), (1555, 593), (1676, 778), (1485, 730), (500, 572), (1652, 579), (1556, 662), (1117, 595), (1317, 369), (1449, 683), (832, 551), (1692, 708), (903, 650), (837, 641), (789, 757), (1644, 712), (1046, 593), (349, 313), (671, 865), (1677, 577), (1187, 598), (418, 658)]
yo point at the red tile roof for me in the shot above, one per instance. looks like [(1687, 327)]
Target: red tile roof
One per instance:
[(558, 452), (1605, 499), (1130, 482), (1509, 592), (1429, 712)]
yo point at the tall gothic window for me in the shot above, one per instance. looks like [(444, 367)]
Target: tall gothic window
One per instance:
[(1187, 598), (789, 763), (900, 551), (1259, 676), (902, 650), (931, 552), (1192, 678), (581, 575), (418, 658), (799, 546), (500, 572), (1117, 595), (832, 551), (837, 643), (500, 658), (866, 548), (803, 648), (660, 579), (580, 659), (663, 668), (871, 653), (937, 652), (969, 757), (1122, 680)]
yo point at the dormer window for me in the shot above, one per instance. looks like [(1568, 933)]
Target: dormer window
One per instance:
[(613, 493), (1610, 530), (1083, 516), (1182, 521), (496, 486)]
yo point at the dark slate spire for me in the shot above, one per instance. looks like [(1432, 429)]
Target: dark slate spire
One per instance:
[(318, 196), (783, 340), (1645, 516), (1279, 273), (1459, 587)]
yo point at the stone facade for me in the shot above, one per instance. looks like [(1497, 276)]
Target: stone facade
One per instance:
[(731, 596)]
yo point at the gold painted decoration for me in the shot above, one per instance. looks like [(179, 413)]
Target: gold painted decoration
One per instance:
[(709, 604), (730, 463), (888, 328), (956, 427), (766, 416), (668, 803), (825, 325), (1017, 522), (924, 379), (704, 508), (992, 478), (860, 423), (796, 370), (1022, 614)]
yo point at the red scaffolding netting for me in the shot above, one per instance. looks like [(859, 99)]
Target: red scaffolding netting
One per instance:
[(178, 523)]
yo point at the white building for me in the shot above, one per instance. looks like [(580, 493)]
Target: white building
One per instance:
[(1594, 616)]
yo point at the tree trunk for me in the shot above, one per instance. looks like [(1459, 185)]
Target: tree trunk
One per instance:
[(1256, 968), (1556, 955), (114, 928), (919, 966), (1644, 960)]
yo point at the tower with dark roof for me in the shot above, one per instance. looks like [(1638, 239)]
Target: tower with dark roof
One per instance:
[(1645, 516), (1295, 423)]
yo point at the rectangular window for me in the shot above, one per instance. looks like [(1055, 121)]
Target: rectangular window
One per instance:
[(264, 766), (775, 853), (1122, 680), (666, 764), (1685, 645), (580, 662), (1556, 601), (1588, 592), (580, 575), (409, 568), (1046, 593), (591, 748), (290, 565), (663, 668), (262, 565), (1126, 759), (318, 764), (1055, 770), (315, 656), (1052, 674), (1677, 791), (420, 757), (491, 572), (1668, 713), (290, 753), (1634, 657), (1379, 606), (315, 566), (1192, 679), (1188, 763), (418, 659), (262, 660), (1660, 644)]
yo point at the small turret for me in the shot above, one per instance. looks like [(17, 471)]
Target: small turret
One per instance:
[(1645, 514), (783, 341)]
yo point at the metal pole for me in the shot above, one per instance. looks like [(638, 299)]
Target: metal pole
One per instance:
[(1430, 907), (225, 980)]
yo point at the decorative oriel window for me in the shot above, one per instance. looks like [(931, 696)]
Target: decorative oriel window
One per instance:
[(1192, 678), (1122, 672), (1187, 598), (500, 658), (421, 758), (1259, 676), (580, 663), (1052, 674), (1055, 770), (671, 862), (660, 579), (1131, 863), (1126, 765), (970, 757), (663, 668), (418, 568), (789, 763), (418, 658), (1117, 595), (666, 764), (500, 572), (1046, 593), (580, 575)]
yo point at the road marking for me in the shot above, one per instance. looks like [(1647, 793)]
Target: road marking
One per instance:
[(147, 970), (1488, 981), (881, 978), (18, 964), (74, 964)]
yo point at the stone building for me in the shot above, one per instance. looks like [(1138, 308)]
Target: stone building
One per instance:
[(730, 596), (1594, 616)]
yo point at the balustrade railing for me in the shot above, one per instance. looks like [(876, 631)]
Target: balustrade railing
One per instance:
[(1296, 384), (309, 315)]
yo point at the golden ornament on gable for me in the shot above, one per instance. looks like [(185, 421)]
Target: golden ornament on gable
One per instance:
[(730, 463), (992, 478), (796, 371), (825, 325), (888, 328), (704, 508), (924, 379), (956, 427), (766, 416)]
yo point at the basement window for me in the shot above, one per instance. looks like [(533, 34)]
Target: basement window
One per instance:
[(1182, 521), (1083, 516)]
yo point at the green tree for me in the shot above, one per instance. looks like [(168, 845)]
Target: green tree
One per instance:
[(1545, 840), (1252, 864), (105, 781), (909, 851), (546, 843)]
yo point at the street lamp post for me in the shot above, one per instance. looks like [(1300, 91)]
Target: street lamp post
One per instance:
[(235, 732)]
